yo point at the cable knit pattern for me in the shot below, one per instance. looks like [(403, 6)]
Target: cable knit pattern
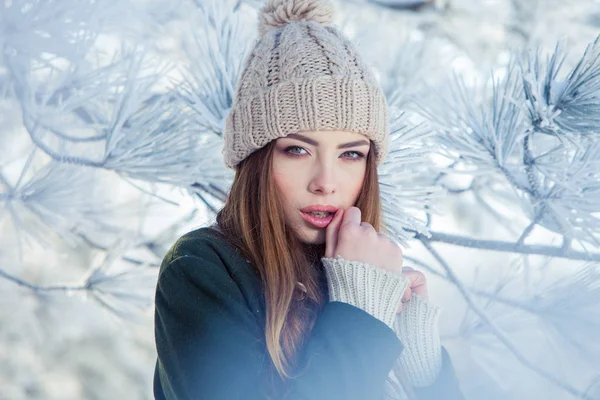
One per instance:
[(303, 75), (371, 289), (417, 328)]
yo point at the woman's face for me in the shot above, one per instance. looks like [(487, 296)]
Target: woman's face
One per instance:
[(318, 168)]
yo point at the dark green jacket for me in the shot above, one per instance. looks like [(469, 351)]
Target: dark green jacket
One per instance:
[(210, 337)]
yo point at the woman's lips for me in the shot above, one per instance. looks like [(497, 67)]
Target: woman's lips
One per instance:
[(318, 222)]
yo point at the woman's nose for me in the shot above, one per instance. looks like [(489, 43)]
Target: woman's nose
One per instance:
[(323, 181)]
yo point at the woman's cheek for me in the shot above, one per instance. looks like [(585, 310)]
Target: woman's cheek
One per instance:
[(356, 182), (283, 180)]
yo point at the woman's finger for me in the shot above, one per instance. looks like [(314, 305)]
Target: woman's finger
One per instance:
[(418, 282), (352, 216), (331, 233)]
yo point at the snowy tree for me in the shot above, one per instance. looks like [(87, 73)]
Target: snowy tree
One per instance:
[(111, 125)]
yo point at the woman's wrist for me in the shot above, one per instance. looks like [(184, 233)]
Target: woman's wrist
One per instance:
[(374, 290)]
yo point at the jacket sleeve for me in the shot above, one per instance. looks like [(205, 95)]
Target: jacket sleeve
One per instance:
[(208, 346)]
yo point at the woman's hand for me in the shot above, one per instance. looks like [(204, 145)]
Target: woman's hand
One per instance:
[(418, 285), (354, 240)]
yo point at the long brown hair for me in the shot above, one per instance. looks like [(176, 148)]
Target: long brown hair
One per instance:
[(252, 220)]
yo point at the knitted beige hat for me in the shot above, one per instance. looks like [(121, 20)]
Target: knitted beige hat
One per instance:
[(302, 75)]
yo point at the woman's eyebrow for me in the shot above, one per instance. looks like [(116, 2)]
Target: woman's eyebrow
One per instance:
[(314, 143)]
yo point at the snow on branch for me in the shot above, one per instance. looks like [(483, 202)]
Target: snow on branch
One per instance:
[(486, 322), (520, 135), (482, 137), (564, 107), (125, 291), (406, 181), (216, 56), (63, 200), (570, 307), (113, 119), (32, 28), (566, 194)]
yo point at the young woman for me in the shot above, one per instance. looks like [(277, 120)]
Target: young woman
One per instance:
[(294, 293)]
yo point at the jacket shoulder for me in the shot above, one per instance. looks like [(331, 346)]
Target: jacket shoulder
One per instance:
[(205, 243), (209, 244)]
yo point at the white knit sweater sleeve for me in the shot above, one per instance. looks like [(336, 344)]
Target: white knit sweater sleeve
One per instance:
[(369, 288), (379, 292), (417, 328)]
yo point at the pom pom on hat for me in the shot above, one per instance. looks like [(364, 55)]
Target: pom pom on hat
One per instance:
[(277, 13), (311, 79)]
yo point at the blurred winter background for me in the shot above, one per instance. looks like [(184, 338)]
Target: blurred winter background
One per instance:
[(111, 114)]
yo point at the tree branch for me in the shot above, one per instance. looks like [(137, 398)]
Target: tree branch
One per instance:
[(526, 232), (37, 288), (495, 329), (510, 247)]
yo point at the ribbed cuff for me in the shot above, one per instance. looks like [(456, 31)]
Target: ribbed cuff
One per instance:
[(294, 105), (374, 290), (417, 328)]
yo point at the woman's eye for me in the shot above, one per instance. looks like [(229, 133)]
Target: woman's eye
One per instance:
[(357, 156), (288, 150)]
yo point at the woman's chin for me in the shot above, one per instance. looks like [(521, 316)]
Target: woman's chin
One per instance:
[(312, 236)]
